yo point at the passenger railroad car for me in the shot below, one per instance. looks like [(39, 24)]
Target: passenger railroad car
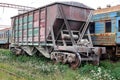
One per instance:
[(106, 29)]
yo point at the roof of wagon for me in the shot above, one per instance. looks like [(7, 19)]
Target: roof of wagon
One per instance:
[(70, 3), (107, 10), (77, 4)]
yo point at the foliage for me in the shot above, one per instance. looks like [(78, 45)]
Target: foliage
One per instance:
[(106, 71), (26, 67)]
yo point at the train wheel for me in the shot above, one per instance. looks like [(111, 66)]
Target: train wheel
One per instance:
[(12, 50), (55, 61), (76, 63)]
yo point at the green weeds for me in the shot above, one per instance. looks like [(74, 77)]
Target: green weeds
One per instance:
[(39, 68)]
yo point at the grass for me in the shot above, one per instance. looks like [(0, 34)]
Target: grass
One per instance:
[(39, 68)]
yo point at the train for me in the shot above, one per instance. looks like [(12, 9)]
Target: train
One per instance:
[(5, 37), (57, 32), (105, 30), (67, 32)]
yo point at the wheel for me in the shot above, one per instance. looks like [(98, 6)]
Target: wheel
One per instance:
[(12, 50), (76, 63), (55, 61), (16, 51)]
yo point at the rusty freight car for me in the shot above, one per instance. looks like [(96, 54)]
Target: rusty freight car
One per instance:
[(56, 31)]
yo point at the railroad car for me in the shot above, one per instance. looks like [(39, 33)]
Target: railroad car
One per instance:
[(106, 30), (5, 38), (56, 31)]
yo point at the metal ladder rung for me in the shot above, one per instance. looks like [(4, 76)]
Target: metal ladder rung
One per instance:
[(71, 31), (85, 27)]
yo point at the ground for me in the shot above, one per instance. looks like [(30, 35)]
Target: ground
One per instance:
[(39, 68)]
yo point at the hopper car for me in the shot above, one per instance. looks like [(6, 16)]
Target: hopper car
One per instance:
[(56, 31)]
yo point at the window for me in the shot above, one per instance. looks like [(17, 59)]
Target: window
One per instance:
[(119, 25), (108, 26), (92, 27)]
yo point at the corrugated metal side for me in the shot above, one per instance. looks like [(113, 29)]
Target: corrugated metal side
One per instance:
[(36, 26), (16, 30), (99, 27), (31, 28), (25, 26), (20, 21), (42, 24)]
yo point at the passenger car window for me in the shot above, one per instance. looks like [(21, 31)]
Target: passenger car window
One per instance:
[(108, 26), (119, 25), (92, 27)]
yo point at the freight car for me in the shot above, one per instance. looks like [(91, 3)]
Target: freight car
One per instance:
[(106, 30), (56, 31), (5, 38)]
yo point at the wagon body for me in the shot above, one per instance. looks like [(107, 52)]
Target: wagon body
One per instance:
[(33, 27), (55, 31)]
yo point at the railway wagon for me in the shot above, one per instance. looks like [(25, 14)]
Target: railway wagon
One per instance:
[(55, 31), (106, 30), (5, 38)]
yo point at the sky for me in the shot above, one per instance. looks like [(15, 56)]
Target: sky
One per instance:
[(7, 13)]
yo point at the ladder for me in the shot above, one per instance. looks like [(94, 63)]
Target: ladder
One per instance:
[(85, 27)]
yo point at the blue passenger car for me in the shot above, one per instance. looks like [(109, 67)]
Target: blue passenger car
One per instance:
[(106, 29), (5, 37)]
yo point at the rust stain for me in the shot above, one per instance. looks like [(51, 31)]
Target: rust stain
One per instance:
[(104, 39)]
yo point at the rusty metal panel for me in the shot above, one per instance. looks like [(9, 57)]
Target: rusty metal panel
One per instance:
[(36, 18), (66, 10), (51, 16), (42, 14), (104, 39), (75, 13), (42, 34), (36, 23), (36, 15), (45, 19), (42, 25)]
